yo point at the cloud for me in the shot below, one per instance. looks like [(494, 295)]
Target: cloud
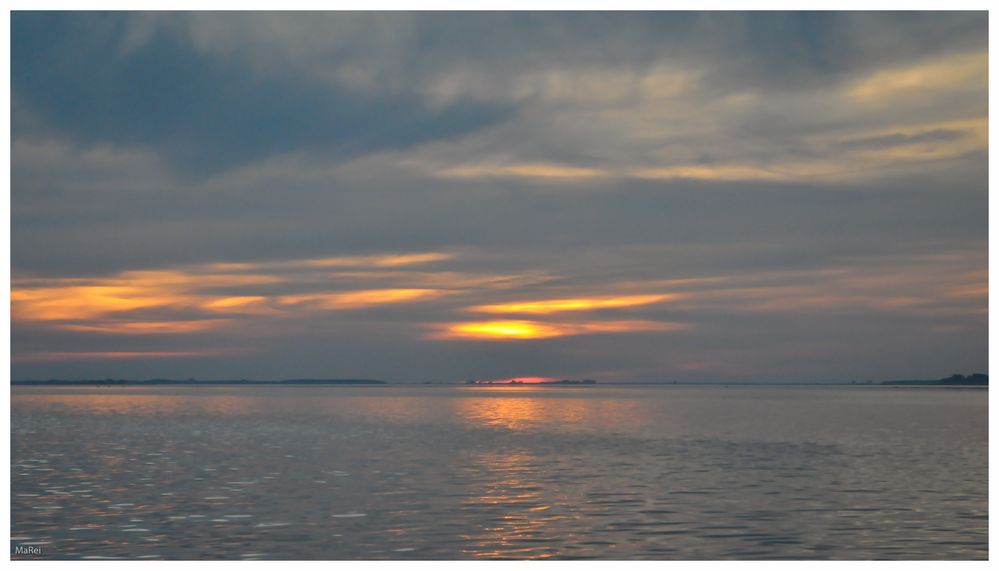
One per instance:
[(363, 298), (147, 327), (210, 287), (537, 171), (577, 304), (46, 357), (924, 80), (334, 192), (161, 93)]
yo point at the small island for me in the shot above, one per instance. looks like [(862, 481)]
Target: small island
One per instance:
[(974, 380), (519, 382)]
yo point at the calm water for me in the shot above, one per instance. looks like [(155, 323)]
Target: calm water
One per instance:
[(502, 472)]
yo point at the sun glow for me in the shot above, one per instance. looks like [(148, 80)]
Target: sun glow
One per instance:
[(521, 380), (502, 330), (524, 329)]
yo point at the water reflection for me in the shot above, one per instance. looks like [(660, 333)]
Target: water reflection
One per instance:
[(515, 412), (518, 408), (511, 502), (520, 472), (525, 408), (110, 401)]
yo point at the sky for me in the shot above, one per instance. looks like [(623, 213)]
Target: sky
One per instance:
[(448, 196)]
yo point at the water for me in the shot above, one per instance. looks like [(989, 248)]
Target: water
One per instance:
[(425, 472)]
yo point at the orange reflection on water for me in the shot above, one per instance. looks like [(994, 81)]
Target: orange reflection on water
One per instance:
[(521, 515), (114, 400), (514, 488), (533, 407), (516, 412)]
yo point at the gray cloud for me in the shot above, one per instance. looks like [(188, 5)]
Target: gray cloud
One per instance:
[(821, 179)]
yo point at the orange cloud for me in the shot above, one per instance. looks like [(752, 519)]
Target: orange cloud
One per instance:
[(530, 170), (382, 261), (722, 172), (74, 299), (371, 261), (573, 304), (86, 302), (193, 278), (201, 287), (444, 280)]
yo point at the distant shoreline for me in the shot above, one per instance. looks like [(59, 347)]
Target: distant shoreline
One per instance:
[(170, 382), (953, 381)]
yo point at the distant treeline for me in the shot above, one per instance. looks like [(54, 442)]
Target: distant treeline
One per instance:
[(92, 382), (977, 379)]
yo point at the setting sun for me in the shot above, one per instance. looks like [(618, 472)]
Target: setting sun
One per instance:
[(512, 330), (502, 330)]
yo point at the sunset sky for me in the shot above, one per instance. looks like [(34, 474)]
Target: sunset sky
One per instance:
[(445, 196)]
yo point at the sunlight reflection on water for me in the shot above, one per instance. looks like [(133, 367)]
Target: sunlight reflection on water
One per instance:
[(500, 472)]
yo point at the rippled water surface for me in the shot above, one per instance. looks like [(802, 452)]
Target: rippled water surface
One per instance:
[(390, 472)]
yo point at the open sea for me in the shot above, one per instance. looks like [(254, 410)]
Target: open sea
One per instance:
[(516, 472)]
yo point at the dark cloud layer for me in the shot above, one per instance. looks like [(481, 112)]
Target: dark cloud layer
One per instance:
[(202, 115), (280, 195)]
